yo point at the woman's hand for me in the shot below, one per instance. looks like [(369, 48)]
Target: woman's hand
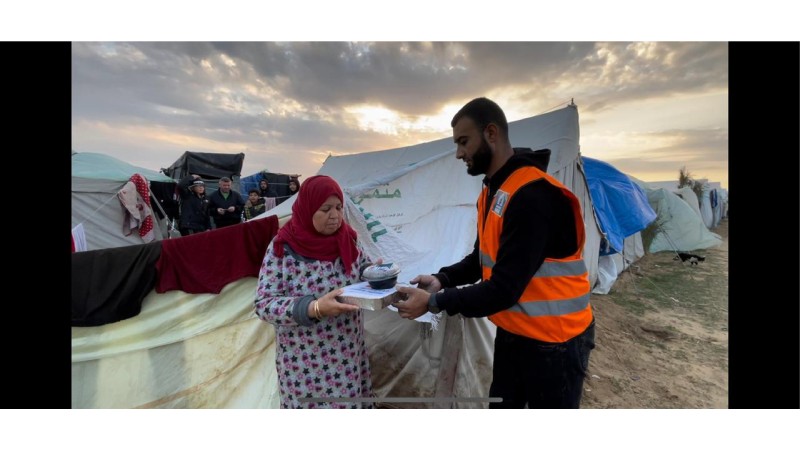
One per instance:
[(328, 306)]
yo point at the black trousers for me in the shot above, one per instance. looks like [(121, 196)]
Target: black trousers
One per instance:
[(535, 374)]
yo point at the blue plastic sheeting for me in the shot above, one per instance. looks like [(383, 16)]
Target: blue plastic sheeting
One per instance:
[(278, 182), (621, 205)]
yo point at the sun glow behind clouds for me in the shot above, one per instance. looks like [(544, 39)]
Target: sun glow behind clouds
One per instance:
[(375, 118), (385, 121)]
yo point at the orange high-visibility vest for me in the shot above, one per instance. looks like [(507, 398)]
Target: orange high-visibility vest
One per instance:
[(555, 304)]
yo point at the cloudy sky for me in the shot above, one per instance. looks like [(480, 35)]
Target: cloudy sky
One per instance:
[(648, 108)]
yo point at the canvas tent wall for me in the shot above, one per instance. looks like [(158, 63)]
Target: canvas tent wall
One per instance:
[(96, 180), (182, 351), (622, 212), (670, 185), (688, 195)]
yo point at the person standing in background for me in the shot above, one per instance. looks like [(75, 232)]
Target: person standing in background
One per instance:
[(225, 205), (254, 205), (265, 190), (194, 206), (294, 186)]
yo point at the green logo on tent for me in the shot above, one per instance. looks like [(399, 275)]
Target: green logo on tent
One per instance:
[(377, 194), (372, 224)]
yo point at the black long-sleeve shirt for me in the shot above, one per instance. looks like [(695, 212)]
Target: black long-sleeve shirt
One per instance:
[(194, 208), (538, 223), (227, 218)]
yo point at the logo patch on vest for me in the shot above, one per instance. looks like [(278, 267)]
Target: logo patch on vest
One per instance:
[(500, 199)]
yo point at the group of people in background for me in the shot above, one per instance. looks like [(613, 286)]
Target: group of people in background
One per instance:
[(225, 206)]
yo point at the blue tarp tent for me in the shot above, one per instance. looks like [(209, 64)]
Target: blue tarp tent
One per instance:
[(621, 205), (278, 182)]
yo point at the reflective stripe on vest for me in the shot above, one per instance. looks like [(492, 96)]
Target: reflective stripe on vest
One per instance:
[(554, 307), (548, 268)]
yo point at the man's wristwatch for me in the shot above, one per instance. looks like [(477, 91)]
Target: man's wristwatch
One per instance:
[(432, 306)]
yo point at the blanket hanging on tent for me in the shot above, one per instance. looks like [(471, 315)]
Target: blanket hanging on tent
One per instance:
[(103, 293), (205, 262), (135, 199)]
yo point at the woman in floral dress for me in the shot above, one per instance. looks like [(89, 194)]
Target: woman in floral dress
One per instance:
[(321, 356)]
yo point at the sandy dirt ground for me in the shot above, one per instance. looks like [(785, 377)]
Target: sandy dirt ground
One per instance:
[(662, 334)]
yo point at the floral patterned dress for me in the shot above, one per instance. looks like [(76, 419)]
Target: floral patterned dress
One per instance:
[(316, 359)]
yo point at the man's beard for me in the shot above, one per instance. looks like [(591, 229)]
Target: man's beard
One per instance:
[(481, 159)]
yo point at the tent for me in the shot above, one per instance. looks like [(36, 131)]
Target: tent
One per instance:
[(679, 228), (718, 200), (412, 205), (622, 211), (712, 204), (96, 209), (210, 166), (719, 203), (620, 204)]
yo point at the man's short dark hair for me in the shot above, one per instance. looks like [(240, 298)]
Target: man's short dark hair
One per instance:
[(482, 111), (225, 179), (254, 191)]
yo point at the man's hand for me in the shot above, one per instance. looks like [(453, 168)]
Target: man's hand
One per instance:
[(428, 282), (231, 208), (415, 304), (220, 211)]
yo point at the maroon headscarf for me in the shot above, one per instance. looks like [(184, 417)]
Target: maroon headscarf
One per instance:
[(299, 231)]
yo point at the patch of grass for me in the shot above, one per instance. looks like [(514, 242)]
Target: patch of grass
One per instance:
[(669, 286), (649, 233), (680, 354), (675, 286), (630, 301)]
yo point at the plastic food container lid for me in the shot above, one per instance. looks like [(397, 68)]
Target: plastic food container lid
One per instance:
[(379, 272)]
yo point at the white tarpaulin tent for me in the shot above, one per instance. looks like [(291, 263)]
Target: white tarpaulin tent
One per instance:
[(680, 229), (414, 205)]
